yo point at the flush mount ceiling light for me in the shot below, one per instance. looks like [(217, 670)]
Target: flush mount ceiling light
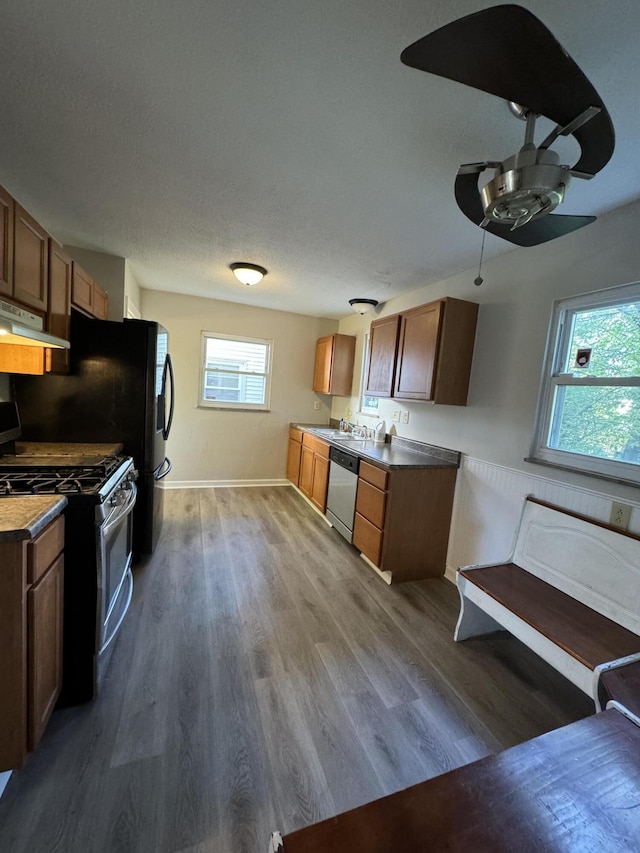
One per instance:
[(248, 273), (363, 306)]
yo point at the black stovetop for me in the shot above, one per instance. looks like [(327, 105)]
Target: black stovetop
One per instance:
[(21, 477)]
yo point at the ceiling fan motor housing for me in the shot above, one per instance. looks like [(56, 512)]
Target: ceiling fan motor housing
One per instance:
[(527, 185)]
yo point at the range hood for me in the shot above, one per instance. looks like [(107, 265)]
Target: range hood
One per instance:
[(22, 328)]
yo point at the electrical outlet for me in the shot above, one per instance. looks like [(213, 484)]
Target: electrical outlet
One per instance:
[(316, 405), (620, 515), (405, 417), (396, 417)]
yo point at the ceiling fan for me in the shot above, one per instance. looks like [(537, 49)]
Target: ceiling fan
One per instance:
[(506, 51)]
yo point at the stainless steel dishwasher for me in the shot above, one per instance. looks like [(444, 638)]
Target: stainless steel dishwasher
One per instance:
[(341, 497)]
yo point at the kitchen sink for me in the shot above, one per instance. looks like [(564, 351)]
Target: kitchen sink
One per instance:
[(338, 435)]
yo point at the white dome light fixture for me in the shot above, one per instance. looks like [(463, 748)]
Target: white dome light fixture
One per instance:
[(248, 274), (363, 306)]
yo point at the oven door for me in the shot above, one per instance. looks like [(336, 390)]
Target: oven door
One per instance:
[(115, 581)]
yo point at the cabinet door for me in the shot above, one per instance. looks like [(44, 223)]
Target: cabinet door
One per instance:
[(58, 314), (417, 352), (306, 471), (322, 369), (44, 605), (367, 538), (82, 289), (383, 344), (6, 243), (100, 302), (320, 482), (30, 261), (293, 461)]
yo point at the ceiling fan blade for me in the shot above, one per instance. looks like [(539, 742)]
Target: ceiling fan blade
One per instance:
[(506, 51), (532, 234)]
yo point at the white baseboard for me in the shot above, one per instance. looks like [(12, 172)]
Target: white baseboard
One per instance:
[(221, 484)]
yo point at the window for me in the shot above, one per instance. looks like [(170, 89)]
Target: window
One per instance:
[(589, 405), (235, 372), (368, 405)]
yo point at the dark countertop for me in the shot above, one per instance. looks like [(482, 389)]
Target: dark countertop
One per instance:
[(67, 448), (394, 453), (24, 518)]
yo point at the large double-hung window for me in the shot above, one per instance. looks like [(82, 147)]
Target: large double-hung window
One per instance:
[(589, 405), (235, 372)]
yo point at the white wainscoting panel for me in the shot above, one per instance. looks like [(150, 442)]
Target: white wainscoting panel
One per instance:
[(488, 504)]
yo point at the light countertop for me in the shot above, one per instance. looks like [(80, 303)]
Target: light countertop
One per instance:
[(25, 517)]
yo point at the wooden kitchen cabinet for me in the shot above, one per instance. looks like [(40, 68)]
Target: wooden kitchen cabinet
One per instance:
[(30, 261), (424, 354), (402, 520), (6, 243), (87, 295), (31, 610), (59, 309), (333, 371), (293, 455), (314, 470)]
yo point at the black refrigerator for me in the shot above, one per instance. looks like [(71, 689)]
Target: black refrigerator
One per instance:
[(120, 388)]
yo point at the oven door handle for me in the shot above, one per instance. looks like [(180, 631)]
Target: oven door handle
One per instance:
[(120, 510)]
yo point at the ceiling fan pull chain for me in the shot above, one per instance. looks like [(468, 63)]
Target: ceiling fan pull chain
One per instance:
[(478, 281)]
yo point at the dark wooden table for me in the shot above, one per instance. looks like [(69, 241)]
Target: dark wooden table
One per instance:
[(573, 789)]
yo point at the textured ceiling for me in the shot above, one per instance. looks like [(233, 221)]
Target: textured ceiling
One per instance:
[(187, 135)]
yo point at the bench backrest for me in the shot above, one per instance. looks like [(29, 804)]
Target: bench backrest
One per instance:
[(595, 565)]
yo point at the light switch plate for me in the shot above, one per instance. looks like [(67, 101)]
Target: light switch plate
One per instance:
[(396, 416), (405, 417)]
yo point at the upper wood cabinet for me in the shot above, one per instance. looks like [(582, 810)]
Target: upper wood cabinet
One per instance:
[(87, 295), (383, 350), (424, 354), (333, 372), (30, 261), (6, 243), (58, 311)]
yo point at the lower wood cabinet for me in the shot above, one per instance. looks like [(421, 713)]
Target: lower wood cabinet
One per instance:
[(293, 455), (403, 518), (314, 470), (31, 603)]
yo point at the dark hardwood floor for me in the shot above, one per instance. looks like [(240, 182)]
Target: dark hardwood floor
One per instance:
[(266, 679)]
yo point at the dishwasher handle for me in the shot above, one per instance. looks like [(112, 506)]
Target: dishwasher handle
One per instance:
[(344, 460)]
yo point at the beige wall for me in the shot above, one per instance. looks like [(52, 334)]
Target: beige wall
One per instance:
[(515, 305), (214, 445)]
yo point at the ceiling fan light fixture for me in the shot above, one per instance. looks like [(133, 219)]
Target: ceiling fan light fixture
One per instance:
[(248, 274), (363, 306)]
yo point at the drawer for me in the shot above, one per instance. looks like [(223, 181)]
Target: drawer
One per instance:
[(371, 502), (43, 550), (315, 444), (295, 434), (376, 476), (367, 538)]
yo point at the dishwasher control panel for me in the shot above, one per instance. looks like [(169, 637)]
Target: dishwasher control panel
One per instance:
[(345, 460)]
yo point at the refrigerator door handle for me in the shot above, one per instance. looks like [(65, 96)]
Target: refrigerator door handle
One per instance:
[(168, 367), (159, 473)]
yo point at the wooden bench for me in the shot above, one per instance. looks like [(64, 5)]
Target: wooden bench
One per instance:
[(570, 591)]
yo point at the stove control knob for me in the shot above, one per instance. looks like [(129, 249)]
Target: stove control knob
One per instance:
[(117, 499), (132, 476)]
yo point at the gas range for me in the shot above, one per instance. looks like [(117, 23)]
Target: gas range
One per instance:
[(38, 475)]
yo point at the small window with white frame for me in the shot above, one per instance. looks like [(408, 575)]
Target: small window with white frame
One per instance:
[(588, 415), (235, 372), (368, 405)]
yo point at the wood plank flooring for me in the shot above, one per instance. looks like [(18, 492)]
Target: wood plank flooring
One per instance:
[(266, 678)]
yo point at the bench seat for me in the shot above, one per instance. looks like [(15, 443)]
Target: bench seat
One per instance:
[(570, 591), (584, 634)]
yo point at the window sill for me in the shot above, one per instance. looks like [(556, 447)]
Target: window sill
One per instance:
[(597, 474), (231, 408)]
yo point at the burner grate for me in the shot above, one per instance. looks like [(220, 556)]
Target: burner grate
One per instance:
[(17, 479)]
